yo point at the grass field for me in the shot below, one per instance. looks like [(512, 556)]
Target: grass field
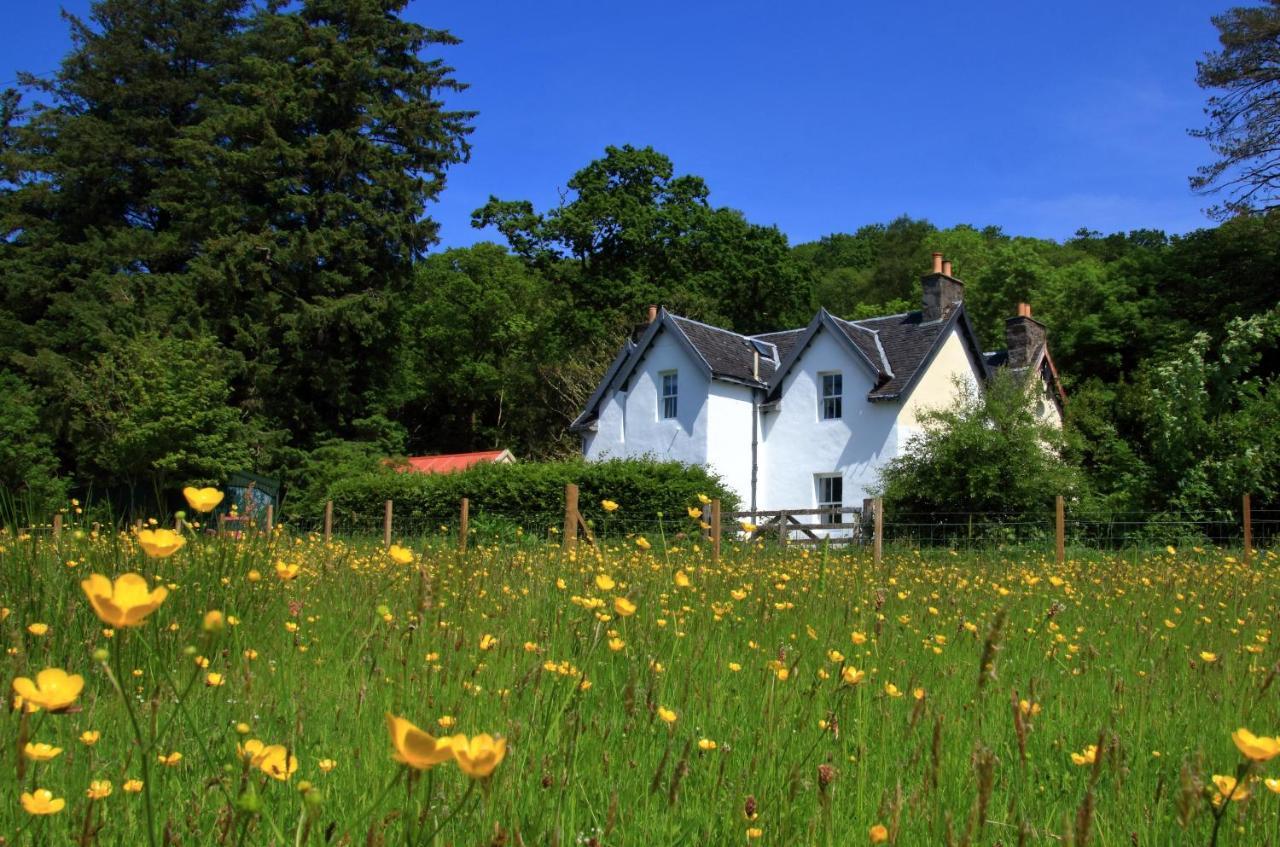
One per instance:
[(778, 697)]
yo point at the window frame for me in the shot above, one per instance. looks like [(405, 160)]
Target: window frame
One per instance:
[(669, 407), (825, 501), (834, 401)]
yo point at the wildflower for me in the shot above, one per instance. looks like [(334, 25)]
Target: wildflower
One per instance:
[(132, 786), (38, 629), (878, 834), (706, 744), (892, 690), (40, 752), (835, 656), (704, 499), (1088, 757), (858, 638), (160, 543), (54, 689), (126, 602), (287, 571), (202, 499), (747, 526), (416, 748), (624, 607), (608, 505), (666, 715), (42, 802), (446, 721), (682, 579), (1029, 709), (616, 644), (276, 761), (170, 760), (735, 667), (1272, 784), (604, 582), (213, 622), (1207, 657), (754, 832), (488, 642), (918, 693), (326, 765), (478, 756), (695, 512), (400, 555), (782, 673), (254, 575), (1227, 787), (99, 789), (213, 680), (90, 737), (643, 543), (1260, 748)]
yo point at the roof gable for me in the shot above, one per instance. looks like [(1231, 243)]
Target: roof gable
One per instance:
[(912, 343)]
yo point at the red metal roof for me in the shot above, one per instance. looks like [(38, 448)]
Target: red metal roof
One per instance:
[(453, 461)]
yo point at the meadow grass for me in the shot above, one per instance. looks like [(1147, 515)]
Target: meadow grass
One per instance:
[(778, 697)]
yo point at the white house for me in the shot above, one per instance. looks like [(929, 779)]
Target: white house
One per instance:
[(802, 418)]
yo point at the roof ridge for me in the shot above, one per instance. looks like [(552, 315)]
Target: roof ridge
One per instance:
[(709, 326)]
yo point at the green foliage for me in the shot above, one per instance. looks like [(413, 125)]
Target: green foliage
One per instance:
[(1242, 116), (154, 408), (533, 492), (28, 466), (988, 453)]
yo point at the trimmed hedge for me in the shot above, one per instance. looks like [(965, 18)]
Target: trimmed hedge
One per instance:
[(531, 493)]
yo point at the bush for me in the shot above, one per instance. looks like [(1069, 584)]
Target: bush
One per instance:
[(531, 493)]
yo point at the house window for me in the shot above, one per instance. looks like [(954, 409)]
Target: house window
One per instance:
[(832, 397), (670, 392), (831, 496)]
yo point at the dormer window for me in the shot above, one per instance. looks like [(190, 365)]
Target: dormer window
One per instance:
[(670, 394), (831, 404)]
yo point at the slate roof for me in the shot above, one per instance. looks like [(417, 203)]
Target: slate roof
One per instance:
[(897, 348), (728, 354)]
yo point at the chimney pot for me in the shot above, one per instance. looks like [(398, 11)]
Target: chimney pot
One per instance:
[(1024, 310), (946, 267), (937, 263), (653, 314)]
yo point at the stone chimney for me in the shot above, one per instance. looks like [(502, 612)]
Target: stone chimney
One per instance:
[(942, 292), (1025, 338)]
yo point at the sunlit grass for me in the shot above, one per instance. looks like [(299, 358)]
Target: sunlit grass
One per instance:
[(646, 696)]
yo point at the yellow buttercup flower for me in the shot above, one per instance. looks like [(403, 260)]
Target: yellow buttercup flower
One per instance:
[(608, 505), (852, 676), (488, 642), (415, 748), (202, 499), (126, 602), (54, 689), (706, 744), (1088, 757), (160, 543), (287, 570), (624, 607), (478, 756), (40, 752), (400, 555), (1207, 657), (1272, 784), (99, 789), (213, 680), (695, 512), (616, 644), (878, 834), (38, 629), (682, 579), (1260, 748), (604, 582), (171, 760), (276, 761), (1227, 787), (643, 543), (42, 802), (666, 715), (213, 622), (892, 690), (858, 638), (132, 786), (704, 499), (326, 765), (90, 737)]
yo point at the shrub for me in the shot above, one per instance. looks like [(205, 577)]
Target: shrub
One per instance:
[(531, 492)]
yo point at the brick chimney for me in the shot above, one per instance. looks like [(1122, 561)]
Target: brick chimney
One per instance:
[(942, 292), (1025, 338)]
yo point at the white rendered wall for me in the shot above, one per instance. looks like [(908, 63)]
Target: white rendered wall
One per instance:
[(729, 437), (797, 444), (629, 424)]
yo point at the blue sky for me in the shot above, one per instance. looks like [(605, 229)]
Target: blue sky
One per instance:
[(822, 116)]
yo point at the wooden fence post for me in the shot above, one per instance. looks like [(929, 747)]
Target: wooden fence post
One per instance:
[(877, 541), (570, 539), (1248, 530), (463, 522), (328, 521), (57, 525), (1060, 529), (271, 518), (715, 530), (386, 525)]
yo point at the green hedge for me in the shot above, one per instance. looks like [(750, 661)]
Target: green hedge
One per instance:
[(531, 493)]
